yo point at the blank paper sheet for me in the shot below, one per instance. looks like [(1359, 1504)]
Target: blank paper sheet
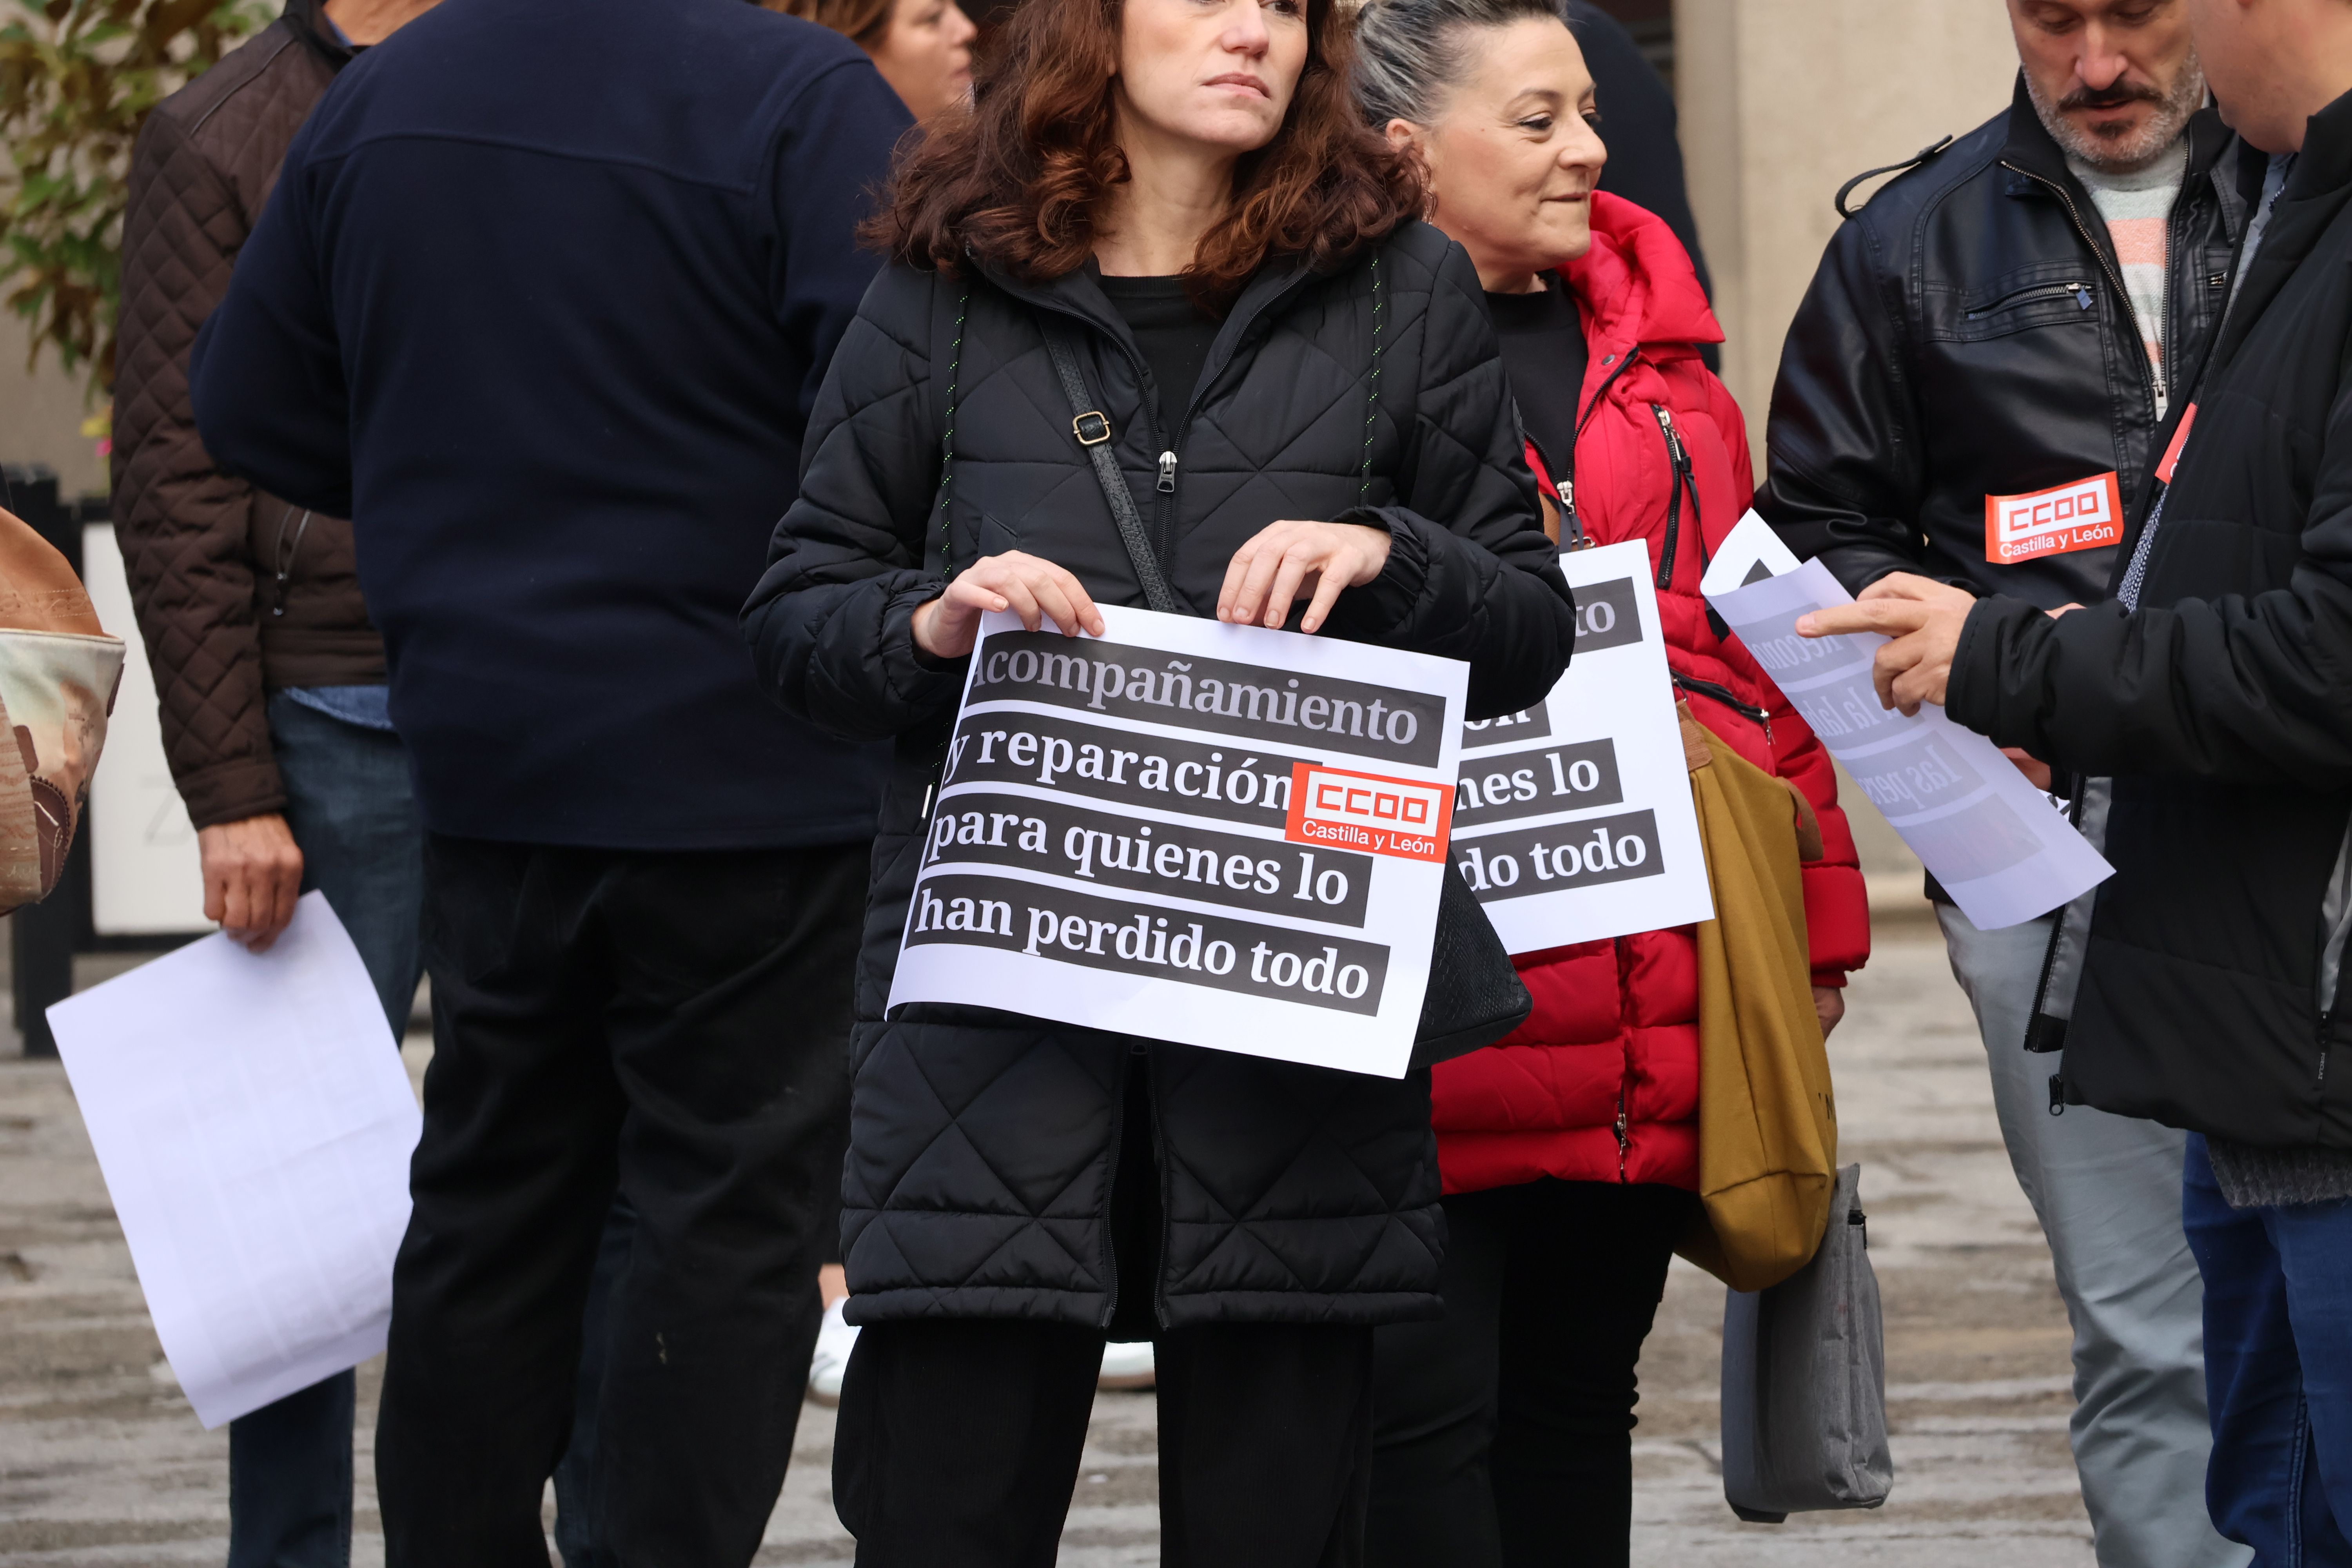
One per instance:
[(253, 1123)]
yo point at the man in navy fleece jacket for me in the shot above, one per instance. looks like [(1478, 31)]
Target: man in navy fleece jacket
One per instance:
[(541, 302)]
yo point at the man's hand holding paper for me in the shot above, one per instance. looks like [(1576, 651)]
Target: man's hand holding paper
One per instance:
[(1921, 619), (1991, 840)]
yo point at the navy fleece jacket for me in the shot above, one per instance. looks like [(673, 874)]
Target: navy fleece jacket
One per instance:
[(541, 302)]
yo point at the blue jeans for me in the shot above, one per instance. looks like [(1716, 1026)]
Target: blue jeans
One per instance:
[(2278, 1370), (349, 801), (2106, 1190)]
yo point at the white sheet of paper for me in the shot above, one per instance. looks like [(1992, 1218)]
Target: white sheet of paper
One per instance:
[(254, 1124), (1750, 553), (1993, 841), (1573, 821), (1133, 834)]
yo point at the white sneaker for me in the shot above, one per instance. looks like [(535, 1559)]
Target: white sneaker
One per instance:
[(1127, 1366), (835, 1336)]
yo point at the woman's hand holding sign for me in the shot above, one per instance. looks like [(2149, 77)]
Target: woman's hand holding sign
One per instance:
[(1923, 619), (1284, 562), (1037, 591), (1288, 560)]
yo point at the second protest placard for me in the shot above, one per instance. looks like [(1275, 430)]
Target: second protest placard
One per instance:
[(1220, 836), (1573, 821)]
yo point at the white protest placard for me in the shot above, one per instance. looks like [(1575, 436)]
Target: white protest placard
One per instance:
[(254, 1124), (1991, 839), (1573, 820), (1220, 836)]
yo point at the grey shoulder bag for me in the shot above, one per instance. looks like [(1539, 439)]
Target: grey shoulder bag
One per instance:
[(1804, 1381), (1475, 995)]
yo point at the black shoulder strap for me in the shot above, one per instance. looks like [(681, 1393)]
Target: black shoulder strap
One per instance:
[(1913, 162), (946, 345), (1092, 428)]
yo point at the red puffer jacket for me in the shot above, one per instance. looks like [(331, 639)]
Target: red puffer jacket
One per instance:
[(1601, 1082)]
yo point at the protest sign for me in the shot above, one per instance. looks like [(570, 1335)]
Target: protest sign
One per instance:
[(1993, 842), (1573, 821), (1220, 836)]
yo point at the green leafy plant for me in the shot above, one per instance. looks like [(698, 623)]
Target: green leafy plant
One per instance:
[(77, 80)]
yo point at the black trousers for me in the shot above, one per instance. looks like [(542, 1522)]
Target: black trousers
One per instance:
[(671, 1026), (959, 1443), (958, 1439), (1505, 1431)]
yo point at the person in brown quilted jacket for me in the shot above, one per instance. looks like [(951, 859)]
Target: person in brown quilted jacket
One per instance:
[(270, 677)]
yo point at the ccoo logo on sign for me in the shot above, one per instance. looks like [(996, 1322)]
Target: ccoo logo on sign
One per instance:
[(1404, 817)]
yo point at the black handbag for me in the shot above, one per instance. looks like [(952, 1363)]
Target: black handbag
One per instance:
[(1475, 995)]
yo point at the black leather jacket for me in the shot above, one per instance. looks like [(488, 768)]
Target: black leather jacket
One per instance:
[(1968, 334)]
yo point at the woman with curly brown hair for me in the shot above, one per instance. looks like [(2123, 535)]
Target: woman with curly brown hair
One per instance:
[(1305, 401)]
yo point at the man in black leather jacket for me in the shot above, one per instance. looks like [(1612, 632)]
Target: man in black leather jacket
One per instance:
[(1979, 332)]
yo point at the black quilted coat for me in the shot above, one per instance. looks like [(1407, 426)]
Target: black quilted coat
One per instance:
[(983, 1144)]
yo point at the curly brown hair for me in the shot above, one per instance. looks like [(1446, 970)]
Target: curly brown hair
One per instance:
[(1017, 183)]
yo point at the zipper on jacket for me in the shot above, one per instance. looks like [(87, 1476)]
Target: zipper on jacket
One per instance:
[(1164, 512), (2173, 260), (2081, 292), (1172, 447), (1571, 525), (2050, 953), (1623, 1131), (2115, 281), (1723, 695), (1678, 460), (282, 559)]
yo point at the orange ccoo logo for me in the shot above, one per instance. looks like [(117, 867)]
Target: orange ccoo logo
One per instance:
[(1403, 817), (2083, 515)]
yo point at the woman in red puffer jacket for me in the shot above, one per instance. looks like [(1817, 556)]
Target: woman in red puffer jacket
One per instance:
[(1571, 1151)]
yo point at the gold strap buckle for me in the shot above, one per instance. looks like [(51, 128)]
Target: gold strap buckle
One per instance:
[(1093, 421)]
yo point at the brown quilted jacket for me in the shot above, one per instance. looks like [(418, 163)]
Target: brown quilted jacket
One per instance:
[(237, 592)]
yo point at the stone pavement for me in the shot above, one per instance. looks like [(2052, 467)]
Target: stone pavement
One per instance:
[(101, 1461)]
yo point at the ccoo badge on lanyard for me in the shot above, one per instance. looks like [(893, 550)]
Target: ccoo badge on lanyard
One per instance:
[(2082, 514)]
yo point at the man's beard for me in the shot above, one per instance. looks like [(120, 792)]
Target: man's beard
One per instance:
[(2133, 150)]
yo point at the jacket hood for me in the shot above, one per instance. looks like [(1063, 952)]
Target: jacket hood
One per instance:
[(1636, 284)]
